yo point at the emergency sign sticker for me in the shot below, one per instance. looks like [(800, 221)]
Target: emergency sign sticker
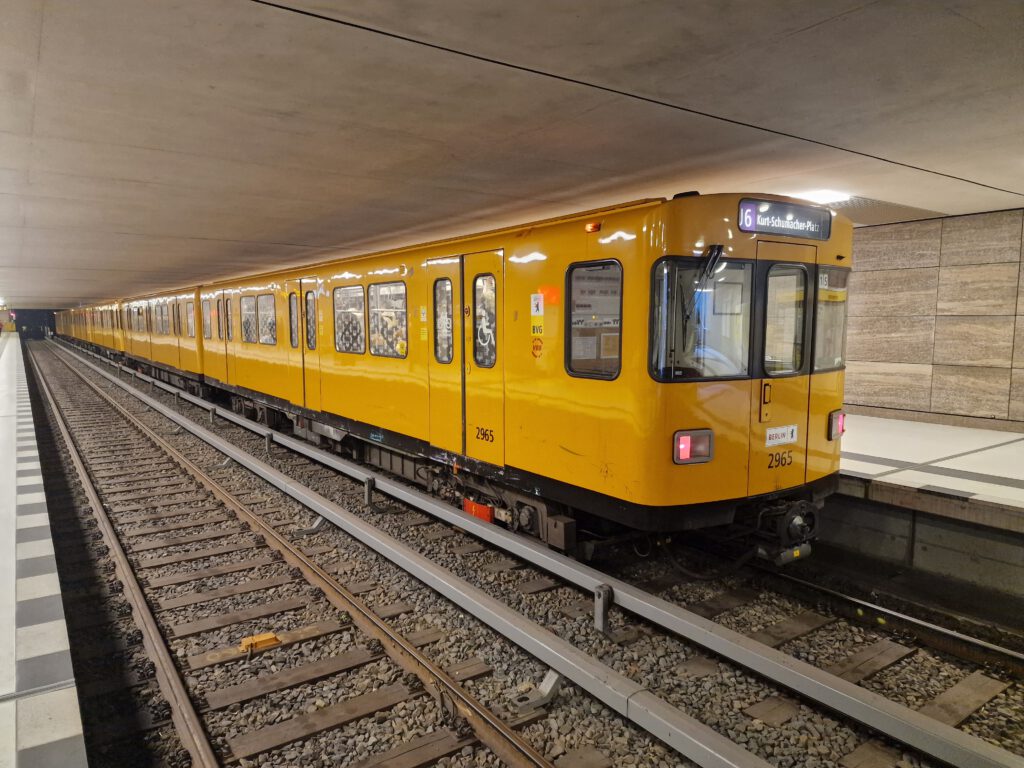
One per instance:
[(780, 435)]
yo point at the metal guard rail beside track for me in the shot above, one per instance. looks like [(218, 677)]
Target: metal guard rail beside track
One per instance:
[(900, 723)]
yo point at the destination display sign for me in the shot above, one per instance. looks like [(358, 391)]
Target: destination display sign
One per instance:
[(773, 218)]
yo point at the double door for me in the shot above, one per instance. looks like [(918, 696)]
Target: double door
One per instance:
[(466, 355), (303, 300)]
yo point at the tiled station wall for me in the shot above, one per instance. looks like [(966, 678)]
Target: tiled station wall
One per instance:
[(936, 318)]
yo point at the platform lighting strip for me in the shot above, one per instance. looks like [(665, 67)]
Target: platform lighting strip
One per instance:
[(620, 92)]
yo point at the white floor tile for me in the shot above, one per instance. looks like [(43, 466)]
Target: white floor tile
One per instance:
[(1004, 461), (914, 441), (31, 498), (33, 521), (32, 587), (30, 480), (48, 717), (34, 549), (41, 639)]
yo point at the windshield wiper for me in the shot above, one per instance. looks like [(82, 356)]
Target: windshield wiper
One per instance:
[(713, 253)]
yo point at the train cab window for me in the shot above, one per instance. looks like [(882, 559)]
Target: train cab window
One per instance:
[(485, 321), (444, 338), (784, 319), (247, 305), (207, 320), (310, 320), (220, 319), (830, 319), (190, 319), (227, 320), (700, 327), (350, 319), (387, 320), (293, 320), (177, 319), (266, 318), (595, 320)]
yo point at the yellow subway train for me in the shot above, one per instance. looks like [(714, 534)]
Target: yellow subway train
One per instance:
[(661, 365)]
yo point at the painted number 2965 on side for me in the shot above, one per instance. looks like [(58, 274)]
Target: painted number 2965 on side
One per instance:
[(780, 459), (487, 435)]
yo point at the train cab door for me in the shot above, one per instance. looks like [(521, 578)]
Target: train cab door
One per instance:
[(312, 322), (483, 364), (778, 420)]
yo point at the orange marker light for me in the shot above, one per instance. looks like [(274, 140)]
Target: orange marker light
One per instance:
[(593, 226)]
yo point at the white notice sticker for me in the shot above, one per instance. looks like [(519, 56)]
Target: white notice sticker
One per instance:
[(780, 435)]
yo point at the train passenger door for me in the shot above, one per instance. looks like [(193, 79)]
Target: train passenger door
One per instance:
[(778, 423), (484, 381), (303, 344), (465, 364)]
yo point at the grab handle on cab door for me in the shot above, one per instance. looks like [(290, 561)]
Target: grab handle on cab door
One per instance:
[(766, 401)]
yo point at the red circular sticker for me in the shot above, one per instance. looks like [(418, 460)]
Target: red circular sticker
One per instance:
[(538, 347)]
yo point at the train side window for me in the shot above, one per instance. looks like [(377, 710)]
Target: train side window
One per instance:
[(594, 347), (444, 338), (350, 319), (220, 319), (310, 320), (485, 321), (830, 319), (784, 320), (247, 304), (388, 325), (227, 320), (190, 319), (293, 320), (207, 320), (266, 318)]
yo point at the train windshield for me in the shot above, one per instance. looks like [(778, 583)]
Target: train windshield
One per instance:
[(700, 327)]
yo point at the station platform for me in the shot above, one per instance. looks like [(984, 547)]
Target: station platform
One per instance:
[(972, 475), (40, 722)]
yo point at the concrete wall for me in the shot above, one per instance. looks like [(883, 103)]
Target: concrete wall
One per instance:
[(936, 319), (940, 546)]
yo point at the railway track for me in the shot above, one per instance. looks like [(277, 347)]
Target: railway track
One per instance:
[(678, 672), (195, 564)]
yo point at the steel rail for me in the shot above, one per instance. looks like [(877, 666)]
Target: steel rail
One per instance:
[(687, 735), (489, 728), (929, 736), (928, 632), (186, 719)]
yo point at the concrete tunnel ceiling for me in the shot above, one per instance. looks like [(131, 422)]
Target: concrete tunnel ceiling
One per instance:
[(152, 145)]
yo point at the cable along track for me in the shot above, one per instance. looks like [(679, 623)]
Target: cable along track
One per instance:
[(156, 513), (904, 725)]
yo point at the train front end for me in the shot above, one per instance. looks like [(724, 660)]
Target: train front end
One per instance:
[(747, 341)]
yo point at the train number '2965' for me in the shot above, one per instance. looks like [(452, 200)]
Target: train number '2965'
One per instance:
[(780, 459), (487, 435)]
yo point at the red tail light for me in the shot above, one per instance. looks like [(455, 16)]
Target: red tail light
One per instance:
[(836, 424), (692, 446)]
